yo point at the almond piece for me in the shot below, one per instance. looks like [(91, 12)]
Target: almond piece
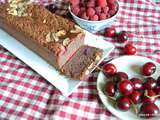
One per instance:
[(61, 33), (66, 42)]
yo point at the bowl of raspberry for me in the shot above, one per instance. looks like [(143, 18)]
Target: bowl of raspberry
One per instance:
[(94, 15)]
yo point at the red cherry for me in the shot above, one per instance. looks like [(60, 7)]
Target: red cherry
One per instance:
[(124, 103), (135, 97), (148, 110), (149, 84), (110, 32), (137, 83), (125, 87), (148, 69), (120, 76), (130, 49), (157, 90), (122, 36), (158, 81), (110, 88), (110, 69), (151, 94)]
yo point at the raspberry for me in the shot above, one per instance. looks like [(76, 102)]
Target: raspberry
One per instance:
[(113, 6), (82, 10), (90, 12), (94, 18), (74, 2), (75, 10), (111, 1), (102, 3), (98, 10), (105, 10), (112, 12), (108, 16), (102, 16), (91, 3), (84, 16)]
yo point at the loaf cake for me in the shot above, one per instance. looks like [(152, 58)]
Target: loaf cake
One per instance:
[(52, 37), (56, 39)]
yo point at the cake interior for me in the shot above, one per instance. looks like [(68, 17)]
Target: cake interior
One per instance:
[(82, 62)]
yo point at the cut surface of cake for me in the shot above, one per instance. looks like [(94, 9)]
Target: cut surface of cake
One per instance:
[(52, 37), (82, 63)]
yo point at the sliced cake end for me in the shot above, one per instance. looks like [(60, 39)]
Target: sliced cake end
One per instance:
[(82, 62)]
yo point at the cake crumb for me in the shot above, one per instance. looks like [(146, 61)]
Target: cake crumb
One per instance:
[(61, 33)]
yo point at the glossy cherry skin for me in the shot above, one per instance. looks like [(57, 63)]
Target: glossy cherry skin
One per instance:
[(135, 97), (123, 103), (149, 110), (120, 76), (137, 83), (110, 88), (157, 90), (109, 69), (150, 93), (110, 32), (125, 87), (149, 84), (122, 36), (148, 68), (130, 49), (158, 81)]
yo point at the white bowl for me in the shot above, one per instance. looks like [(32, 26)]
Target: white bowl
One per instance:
[(95, 26)]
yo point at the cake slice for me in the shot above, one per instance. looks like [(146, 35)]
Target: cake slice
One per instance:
[(52, 37), (82, 63)]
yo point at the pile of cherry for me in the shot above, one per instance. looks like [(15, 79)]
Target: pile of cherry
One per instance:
[(135, 92), (94, 10)]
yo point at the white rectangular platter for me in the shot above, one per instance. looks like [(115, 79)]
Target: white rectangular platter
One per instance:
[(62, 83)]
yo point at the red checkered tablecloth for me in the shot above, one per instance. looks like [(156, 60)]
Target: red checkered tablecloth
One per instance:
[(26, 95)]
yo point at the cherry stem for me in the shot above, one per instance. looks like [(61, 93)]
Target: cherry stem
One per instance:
[(146, 94), (114, 99), (134, 108), (99, 68)]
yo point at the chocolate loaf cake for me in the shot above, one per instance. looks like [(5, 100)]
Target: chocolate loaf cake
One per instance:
[(84, 60), (57, 40), (52, 37)]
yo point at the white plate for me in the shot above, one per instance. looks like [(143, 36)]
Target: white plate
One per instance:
[(65, 85), (130, 65)]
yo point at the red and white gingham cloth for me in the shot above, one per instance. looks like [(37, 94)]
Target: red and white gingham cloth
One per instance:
[(26, 95)]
